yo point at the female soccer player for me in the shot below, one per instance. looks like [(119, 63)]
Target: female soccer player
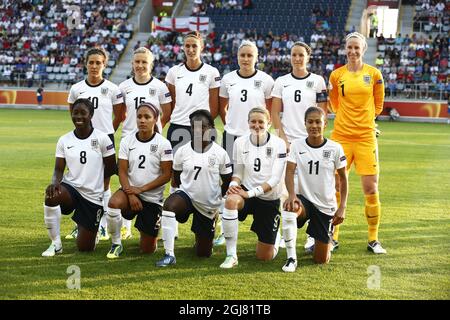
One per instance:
[(259, 160), (142, 87), (89, 156), (357, 96), (292, 94), (316, 160), (108, 101), (198, 168), (145, 166), (240, 90), (193, 85)]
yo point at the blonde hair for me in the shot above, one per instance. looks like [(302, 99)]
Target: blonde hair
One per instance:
[(358, 36), (248, 43), (263, 111), (145, 51)]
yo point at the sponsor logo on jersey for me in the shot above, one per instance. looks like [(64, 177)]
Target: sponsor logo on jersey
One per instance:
[(153, 148), (104, 91), (366, 79), (94, 143), (258, 84), (302, 152), (202, 78), (310, 84), (269, 151), (151, 91), (70, 147), (180, 77)]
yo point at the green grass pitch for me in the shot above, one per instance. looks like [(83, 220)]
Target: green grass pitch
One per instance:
[(415, 225)]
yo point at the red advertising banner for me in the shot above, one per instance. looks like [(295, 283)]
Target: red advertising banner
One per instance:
[(28, 97), (417, 109), (393, 4)]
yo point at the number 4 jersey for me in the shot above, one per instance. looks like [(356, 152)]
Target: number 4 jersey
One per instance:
[(84, 161), (316, 167)]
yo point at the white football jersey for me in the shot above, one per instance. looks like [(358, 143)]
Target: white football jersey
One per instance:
[(200, 176), (316, 167), (244, 93), (154, 91), (191, 90), (144, 159), (104, 96), (297, 95), (259, 162), (84, 162)]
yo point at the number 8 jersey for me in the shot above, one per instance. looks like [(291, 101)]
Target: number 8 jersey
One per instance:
[(316, 168), (84, 161)]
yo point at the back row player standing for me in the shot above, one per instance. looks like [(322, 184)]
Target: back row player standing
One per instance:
[(108, 101)]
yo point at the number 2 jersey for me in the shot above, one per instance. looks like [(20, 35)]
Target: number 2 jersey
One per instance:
[(200, 176), (84, 162), (255, 165), (144, 162), (316, 168), (104, 96)]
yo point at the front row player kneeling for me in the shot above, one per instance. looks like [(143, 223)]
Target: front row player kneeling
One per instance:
[(90, 157), (145, 166), (259, 160), (317, 160), (198, 167)]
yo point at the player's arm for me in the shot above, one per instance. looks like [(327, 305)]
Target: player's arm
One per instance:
[(110, 166), (333, 93), (177, 178), (223, 108), (162, 179), (166, 109), (378, 93), (292, 201), (226, 179), (214, 102), (339, 216), (172, 91), (277, 105), (119, 111), (54, 189), (269, 104)]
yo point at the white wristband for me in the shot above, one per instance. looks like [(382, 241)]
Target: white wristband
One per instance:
[(233, 184), (256, 192)]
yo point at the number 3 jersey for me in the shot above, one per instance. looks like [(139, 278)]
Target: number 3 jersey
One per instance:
[(316, 168), (200, 176), (84, 162), (144, 162), (255, 165)]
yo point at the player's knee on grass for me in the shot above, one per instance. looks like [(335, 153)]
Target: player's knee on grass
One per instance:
[(85, 239), (203, 247), (264, 251), (321, 252), (148, 244)]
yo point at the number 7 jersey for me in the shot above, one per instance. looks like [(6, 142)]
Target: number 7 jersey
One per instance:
[(316, 168)]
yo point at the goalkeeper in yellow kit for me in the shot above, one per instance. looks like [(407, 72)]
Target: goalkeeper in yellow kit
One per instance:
[(357, 96)]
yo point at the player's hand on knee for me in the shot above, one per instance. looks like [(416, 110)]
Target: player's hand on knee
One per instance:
[(135, 203), (53, 190), (292, 204)]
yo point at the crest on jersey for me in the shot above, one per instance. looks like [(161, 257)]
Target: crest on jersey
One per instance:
[(94, 143), (327, 154), (202, 78), (104, 91), (212, 160), (269, 151), (258, 84), (153, 148), (310, 84), (151, 91), (366, 78)]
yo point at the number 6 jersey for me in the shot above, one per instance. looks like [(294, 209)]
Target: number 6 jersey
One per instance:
[(316, 167), (84, 161)]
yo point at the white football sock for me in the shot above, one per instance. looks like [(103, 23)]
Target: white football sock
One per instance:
[(219, 219), (52, 218), (276, 245), (168, 224), (114, 219), (289, 230), (230, 225), (106, 197)]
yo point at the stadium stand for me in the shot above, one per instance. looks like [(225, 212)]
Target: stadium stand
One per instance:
[(38, 44), (432, 16)]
